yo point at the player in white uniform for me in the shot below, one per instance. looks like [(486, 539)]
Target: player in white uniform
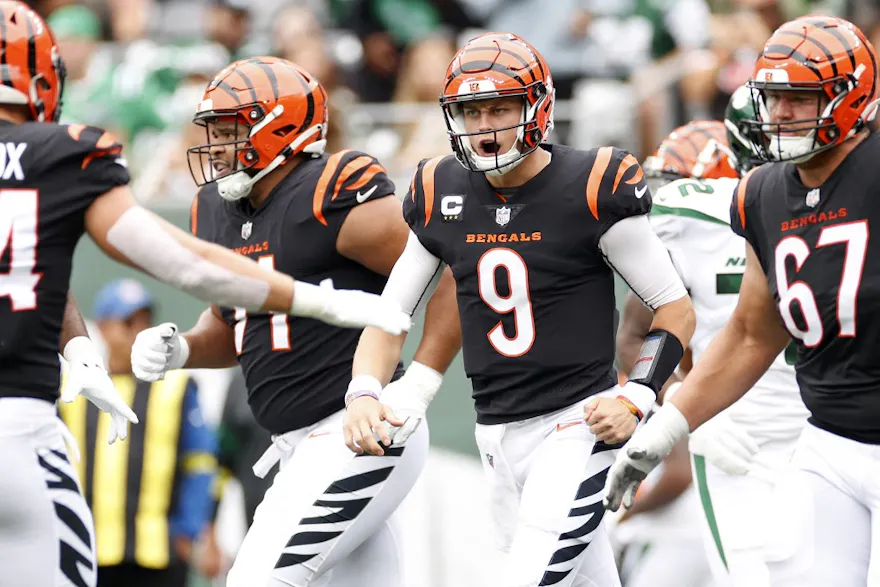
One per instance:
[(737, 455)]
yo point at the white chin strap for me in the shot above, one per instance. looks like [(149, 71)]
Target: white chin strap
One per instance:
[(238, 185)]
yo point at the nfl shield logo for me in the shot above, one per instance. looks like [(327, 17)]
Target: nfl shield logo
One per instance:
[(813, 198), (246, 230), (502, 215)]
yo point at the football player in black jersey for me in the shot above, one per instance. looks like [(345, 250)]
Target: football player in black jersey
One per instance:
[(813, 276), (270, 193), (57, 182), (532, 233)]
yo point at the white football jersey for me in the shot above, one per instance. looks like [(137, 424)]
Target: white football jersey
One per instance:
[(692, 218)]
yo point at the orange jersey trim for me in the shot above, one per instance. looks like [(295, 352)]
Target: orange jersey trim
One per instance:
[(371, 172), (625, 165), (428, 186), (741, 197), (194, 216), (594, 181), (350, 169), (323, 182)]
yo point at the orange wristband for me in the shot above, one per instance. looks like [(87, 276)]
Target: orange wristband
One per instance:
[(630, 406)]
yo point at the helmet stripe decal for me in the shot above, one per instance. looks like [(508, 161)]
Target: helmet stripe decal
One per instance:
[(310, 99), (485, 66), (267, 69), (247, 82), (792, 54), (32, 48), (229, 90)]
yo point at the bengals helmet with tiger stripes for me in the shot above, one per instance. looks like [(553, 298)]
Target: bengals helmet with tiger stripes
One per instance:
[(821, 54), (498, 65), (698, 149), (283, 108), (31, 69)]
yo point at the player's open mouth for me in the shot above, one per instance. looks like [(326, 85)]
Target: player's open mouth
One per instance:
[(220, 167), (488, 147)]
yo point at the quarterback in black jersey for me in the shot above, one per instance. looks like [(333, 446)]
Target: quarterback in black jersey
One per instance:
[(58, 182), (811, 273), (270, 193), (532, 233)]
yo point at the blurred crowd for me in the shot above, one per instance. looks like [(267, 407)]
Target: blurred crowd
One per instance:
[(626, 71)]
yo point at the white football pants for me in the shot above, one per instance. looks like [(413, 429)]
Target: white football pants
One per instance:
[(546, 476), (327, 518), (47, 536), (825, 515)]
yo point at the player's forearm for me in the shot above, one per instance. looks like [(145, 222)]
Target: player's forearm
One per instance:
[(441, 340), (678, 318), (377, 355), (635, 323), (211, 343), (72, 324), (734, 361)]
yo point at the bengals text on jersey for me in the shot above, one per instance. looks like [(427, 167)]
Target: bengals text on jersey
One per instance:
[(822, 266), (535, 294)]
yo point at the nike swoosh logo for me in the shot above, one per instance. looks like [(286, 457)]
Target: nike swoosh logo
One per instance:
[(641, 192), (561, 427), (317, 434), (361, 198)]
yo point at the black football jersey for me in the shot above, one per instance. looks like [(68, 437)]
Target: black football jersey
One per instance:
[(823, 268), (49, 175), (296, 369), (535, 294)]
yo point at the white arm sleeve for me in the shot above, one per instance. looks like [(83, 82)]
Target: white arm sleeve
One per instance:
[(146, 244), (633, 250), (414, 277)]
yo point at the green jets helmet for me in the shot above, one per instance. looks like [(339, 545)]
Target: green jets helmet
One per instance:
[(741, 108)]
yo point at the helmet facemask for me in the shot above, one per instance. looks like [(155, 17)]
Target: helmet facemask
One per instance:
[(780, 141), (528, 133)]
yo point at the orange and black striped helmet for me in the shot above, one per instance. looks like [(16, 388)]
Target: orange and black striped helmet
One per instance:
[(698, 149), (283, 108), (498, 65), (31, 69), (822, 54)]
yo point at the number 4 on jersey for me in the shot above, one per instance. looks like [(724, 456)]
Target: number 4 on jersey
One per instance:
[(18, 242), (280, 324)]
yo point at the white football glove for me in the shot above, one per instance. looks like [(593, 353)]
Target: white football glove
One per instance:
[(724, 444), (348, 308), (645, 450), (87, 376), (409, 398), (157, 350)]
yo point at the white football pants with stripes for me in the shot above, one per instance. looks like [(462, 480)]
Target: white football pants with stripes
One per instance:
[(736, 509), (328, 518), (546, 477), (825, 515), (47, 536)]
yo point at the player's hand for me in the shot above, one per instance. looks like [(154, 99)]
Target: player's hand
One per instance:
[(350, 308), (724, 444), (157, 350), (609, 419), (409, 398), (364, 421), (641, 454), (87, 377)]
